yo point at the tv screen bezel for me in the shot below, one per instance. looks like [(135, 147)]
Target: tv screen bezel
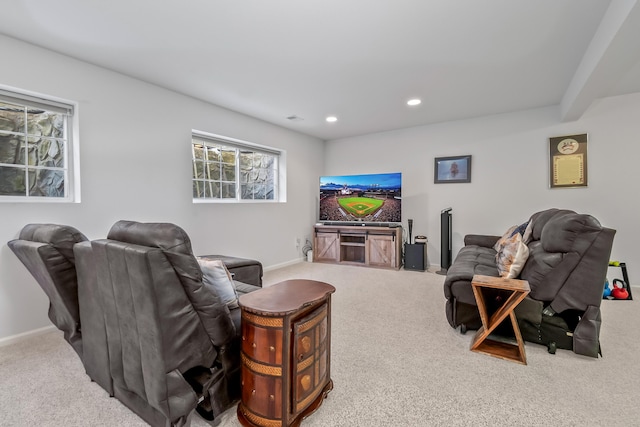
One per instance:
[(354, 221)]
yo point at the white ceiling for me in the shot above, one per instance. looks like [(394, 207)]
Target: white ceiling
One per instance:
[(359, 60)]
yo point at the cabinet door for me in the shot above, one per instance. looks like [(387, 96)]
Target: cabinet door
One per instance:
[(327, 247), (381, 250), (311, 358), (262, 376)]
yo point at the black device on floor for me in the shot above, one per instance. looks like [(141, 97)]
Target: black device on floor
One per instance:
[(415, 257)]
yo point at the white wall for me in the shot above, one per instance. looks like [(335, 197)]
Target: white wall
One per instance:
[(136, 164), (135, 135), (510, 169)]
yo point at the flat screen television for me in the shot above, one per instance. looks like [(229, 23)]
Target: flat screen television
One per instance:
[(370, 198)]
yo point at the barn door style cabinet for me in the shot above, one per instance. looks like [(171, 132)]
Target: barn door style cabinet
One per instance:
[(369, 246)]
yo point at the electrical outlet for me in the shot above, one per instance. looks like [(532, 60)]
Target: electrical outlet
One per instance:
[(297, 243)]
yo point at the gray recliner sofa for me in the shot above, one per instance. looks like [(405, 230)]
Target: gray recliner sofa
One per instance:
[(566, 270), (87, 309), (47, 251), (173, 344)]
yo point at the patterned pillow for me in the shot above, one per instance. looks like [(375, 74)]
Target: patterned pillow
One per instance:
[(217, 278), (512, 256), (504, 238), (522, 228)]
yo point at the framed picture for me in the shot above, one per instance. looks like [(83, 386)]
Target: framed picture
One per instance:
[(452, 169), (568, 161)]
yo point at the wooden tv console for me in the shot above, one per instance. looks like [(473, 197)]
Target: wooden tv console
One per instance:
[(369, 246)]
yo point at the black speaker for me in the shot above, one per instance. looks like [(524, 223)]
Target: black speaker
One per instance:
[(415, 257), (445, 241)]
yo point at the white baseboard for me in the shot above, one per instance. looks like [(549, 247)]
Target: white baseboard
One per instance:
[(25, 335), (284, 264)]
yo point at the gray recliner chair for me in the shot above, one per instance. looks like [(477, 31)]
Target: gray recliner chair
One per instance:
[(47, 250), (94, 332), (173, 344)]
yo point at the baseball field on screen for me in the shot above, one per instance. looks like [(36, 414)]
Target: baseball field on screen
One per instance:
[(360, 206)]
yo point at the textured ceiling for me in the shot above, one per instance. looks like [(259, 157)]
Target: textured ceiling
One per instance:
[(359, 60)]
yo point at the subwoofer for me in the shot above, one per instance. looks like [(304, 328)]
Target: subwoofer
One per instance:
[(415, 257)]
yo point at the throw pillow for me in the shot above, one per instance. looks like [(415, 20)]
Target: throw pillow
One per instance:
[(521, 229), (504, 238), (511, 258), (217, 278)]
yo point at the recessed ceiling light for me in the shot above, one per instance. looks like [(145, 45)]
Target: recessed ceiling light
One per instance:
[(414, 102), (331, 119)]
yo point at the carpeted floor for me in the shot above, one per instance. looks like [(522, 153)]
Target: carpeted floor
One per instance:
[(395, 362)]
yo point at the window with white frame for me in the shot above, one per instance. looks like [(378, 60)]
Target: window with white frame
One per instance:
[(35, 148), (227, 169)]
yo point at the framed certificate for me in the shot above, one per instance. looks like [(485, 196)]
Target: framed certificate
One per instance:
[(568, 161)]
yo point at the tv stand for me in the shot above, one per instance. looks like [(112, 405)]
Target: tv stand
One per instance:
[(369, 246), (361, 224)]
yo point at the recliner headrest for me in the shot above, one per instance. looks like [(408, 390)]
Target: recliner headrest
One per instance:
[(162, 235), (539, 220), (61, 237), (561, 231)]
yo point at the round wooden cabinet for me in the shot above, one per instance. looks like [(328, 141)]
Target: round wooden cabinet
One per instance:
[(286, 347)]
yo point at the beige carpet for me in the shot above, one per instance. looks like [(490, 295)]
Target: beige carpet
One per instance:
[(395, 362)]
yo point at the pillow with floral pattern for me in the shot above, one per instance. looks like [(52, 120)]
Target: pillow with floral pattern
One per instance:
[(512, 256)]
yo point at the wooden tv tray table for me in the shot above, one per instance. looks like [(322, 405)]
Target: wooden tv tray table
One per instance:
[(481, 343), (286, 347)]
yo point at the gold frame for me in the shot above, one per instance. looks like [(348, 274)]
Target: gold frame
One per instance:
[(568, 161)]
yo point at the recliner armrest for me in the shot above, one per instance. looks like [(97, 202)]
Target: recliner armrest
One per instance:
[(486, 241), (244, 288)]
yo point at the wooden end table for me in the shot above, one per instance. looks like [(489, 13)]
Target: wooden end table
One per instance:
[(286, 347), (481, 343)]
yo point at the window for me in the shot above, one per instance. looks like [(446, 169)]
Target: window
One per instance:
[(35, 148), (227, 169)]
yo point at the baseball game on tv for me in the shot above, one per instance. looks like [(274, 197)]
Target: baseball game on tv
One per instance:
[(370, 198)]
